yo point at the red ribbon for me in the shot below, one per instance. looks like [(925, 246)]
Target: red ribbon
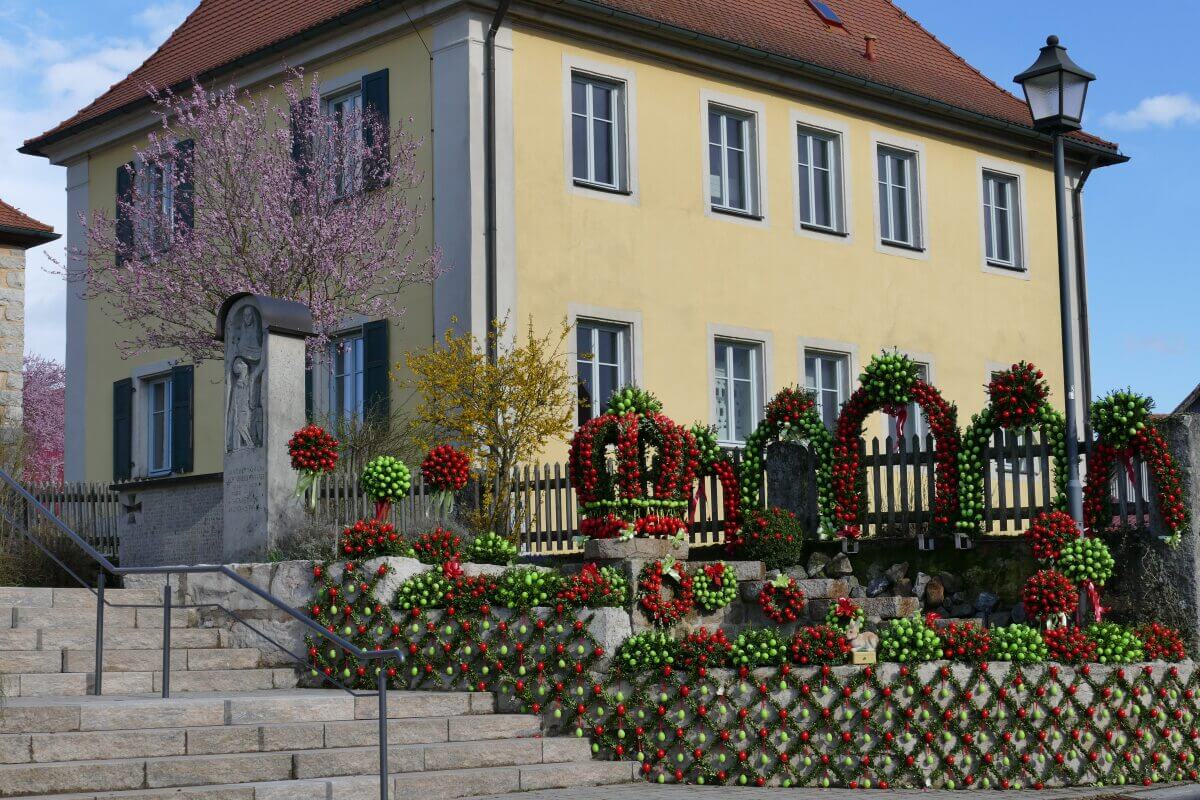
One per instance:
[(382, 507), (900, 414), (698, 497), (1127, 458), (1093, 597)]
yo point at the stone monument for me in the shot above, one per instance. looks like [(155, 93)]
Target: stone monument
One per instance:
[(264, 404)]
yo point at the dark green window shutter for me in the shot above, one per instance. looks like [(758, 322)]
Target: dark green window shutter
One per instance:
[(376, 106), (122, 448), (181, 418), (308, 393), (184, 201), (301, 145), (125, 179), (377, 393)]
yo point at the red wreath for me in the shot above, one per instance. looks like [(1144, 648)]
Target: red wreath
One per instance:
[(1150, 446), (781, 603), (446, 469), (659, 610), (847, 468)]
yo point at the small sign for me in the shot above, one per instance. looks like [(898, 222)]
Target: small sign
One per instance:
[(862, 657)]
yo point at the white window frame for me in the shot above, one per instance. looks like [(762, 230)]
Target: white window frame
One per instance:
[(150, 179), (1005, 169), (592, 314), (1010, 231), (748, 159), (626, 189), (624, 354), (918, 194), (888, 183), (846, 362), (616, 137), (148, 384), (750, 337), (336, 411), (756, 176), (836, 136), (329, 103)]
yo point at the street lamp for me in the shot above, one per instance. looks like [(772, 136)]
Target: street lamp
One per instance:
[(1055, 90)]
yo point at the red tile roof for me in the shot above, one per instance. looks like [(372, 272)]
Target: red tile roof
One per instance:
[(15, 219), (219, 32)]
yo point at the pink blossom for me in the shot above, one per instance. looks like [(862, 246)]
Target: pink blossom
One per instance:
[(264, 222), (44, 401)]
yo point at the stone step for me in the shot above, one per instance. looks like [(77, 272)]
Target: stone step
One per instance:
[(122, 660), (114, 638), (78, 684), (188, 710), (444, 785), (189, 770), (58, 617), (22, 748), (74, 598)]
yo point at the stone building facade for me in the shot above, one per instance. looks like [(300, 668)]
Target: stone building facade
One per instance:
[(18, 233)]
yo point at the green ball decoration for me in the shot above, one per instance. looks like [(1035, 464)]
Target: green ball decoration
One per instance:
[(909, 640), (386, 479), (646, 651), (758, 647), (424, 591), (1020, 644), (1115, 644), (524, 587), (715, 587), (1086, 559), (491, 548)]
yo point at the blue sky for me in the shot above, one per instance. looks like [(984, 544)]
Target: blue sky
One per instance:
[(56, 55)]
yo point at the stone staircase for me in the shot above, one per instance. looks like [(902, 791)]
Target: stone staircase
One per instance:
[(235, 728)]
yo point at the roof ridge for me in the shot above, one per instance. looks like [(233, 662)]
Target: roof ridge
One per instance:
[(20, 220), (934, 37)]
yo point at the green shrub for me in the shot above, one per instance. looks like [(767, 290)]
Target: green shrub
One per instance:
[(492, 548), (773, 536)]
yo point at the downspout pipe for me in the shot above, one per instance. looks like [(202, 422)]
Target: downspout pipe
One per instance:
[(1085, 344), (489, 158)]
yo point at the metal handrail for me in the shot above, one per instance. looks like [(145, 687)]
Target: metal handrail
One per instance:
[(106, 566)]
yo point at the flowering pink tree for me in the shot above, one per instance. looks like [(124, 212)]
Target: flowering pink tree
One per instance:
[(43, 406), (245, 193)]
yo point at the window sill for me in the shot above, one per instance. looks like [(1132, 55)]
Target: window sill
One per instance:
[(1006, 267), (902, 245), (827, 231), (733, 212), (600, 187)]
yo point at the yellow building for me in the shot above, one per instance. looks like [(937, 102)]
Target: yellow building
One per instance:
[(723, 197)]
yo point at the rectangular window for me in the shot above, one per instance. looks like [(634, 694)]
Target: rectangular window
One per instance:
[(346, 378), (738, 389), (158, 419), (820, 155), (1001, 220), (346, 111), (899, 197), (914, 423), (602, 360), (827, 376), (598, 131), (732, 160), (155, 188)]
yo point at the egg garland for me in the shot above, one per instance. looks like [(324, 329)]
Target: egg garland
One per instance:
[(648, 650), (661, 611), (386, 480), (1115, 644), (1018, 643), (715, 587), (791, 415), (889, 383), (1018, 400), (781, 600), (1124, 429), (714, 460), (633, 465)]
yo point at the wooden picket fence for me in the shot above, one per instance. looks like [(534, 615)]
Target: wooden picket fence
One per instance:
[(1018, 484)]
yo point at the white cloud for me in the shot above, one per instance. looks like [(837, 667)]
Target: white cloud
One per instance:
[(43, 81), (1160, 111), (1156, 345)]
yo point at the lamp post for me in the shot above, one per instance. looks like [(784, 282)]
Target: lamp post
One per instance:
[(1055, 90)]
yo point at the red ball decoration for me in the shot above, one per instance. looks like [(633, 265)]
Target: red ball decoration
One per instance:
[(781, 603), (313, 450), (368, 538), (446, 469), (1048, 532), (1048, 593), (1161, 642), (1069, 645)]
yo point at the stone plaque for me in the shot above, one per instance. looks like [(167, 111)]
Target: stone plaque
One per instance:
[(264, 404)]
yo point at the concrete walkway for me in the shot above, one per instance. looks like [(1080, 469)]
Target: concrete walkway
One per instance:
[(647, 791)]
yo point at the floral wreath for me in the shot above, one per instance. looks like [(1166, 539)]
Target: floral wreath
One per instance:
[(1017, 401), (715, 461), (633, 462), (888, 384), (790, 416), (781, 600), (663, 612), (1123, 428)]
